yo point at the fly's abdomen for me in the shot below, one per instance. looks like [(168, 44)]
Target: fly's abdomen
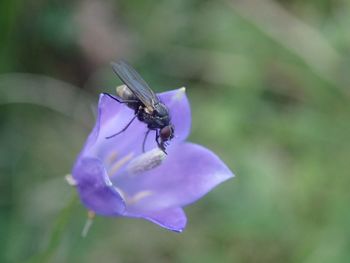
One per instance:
[(125, 93)]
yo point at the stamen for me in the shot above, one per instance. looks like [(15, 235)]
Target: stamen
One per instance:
[(70, 180), (139, 196), (130, 200), (90, 219), (112, 157), (116, 166), (146, 161)]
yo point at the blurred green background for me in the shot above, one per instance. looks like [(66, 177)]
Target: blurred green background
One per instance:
[(268, 83)]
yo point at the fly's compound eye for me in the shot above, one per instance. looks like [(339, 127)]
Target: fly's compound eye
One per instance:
[(167, 133)]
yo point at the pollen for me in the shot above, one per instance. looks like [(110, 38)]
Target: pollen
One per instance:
[(117, 165)]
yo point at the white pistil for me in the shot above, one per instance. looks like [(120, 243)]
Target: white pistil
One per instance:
[(117, 165), (70, 180), (90, 219), (146, 161)]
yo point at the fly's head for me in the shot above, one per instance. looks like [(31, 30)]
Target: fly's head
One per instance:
[(166, 133)]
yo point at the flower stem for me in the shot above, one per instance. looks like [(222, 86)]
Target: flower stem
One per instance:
[(57, 233)]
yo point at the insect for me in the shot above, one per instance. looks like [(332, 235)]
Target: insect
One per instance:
[(137, 95)]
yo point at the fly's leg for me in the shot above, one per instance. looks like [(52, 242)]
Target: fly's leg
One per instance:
[(160, 143), (157, 138), (124, 129), (144, 140), (119, 100)]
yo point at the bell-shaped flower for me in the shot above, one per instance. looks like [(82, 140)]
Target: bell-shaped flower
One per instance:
[(114, 177)]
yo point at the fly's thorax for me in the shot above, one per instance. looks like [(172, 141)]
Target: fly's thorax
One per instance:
[(161, 110), (162, 120), (125, 93), (158, 119), (164, 116)]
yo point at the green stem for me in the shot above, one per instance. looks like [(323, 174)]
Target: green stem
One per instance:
[(57, 233)]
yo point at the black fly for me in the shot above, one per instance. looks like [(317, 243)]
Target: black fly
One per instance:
[(137, 95)]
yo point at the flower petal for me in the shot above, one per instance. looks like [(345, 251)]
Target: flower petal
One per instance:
[(180, 111), (114, 116), (95, 189), (189, 172), (173, 218)]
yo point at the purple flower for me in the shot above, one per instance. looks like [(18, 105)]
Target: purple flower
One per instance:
[(115, 178)]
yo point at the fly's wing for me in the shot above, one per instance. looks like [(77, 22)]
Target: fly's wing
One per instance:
[(135, 83)]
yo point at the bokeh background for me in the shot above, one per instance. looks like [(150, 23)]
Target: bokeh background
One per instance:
[(268, 83)]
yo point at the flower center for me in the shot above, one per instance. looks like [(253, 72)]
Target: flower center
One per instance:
[(138, 165), (119, 163), (133, 199)]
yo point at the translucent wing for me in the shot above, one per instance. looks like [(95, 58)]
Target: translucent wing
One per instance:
[(135, 83)]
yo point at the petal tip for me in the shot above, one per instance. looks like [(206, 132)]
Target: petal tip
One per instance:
[(179, 95), (225, 172), (173, 219), (102, 95), (229, 173), (175, 230), (179, 231)]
